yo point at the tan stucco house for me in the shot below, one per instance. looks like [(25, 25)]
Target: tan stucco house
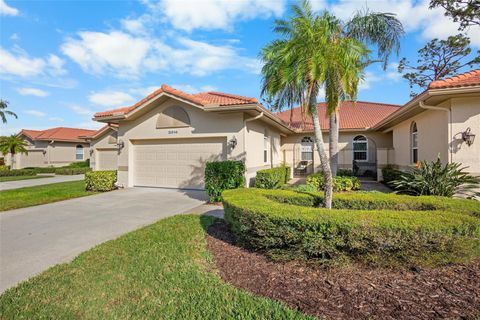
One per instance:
[(52, 147), (165, 139)]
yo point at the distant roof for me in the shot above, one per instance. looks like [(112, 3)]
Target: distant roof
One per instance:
[(202, 99), (466, 79), (360, 115), (58, 134)]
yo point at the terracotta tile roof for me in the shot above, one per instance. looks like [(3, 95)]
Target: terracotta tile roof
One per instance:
[(58, 134), (203, 99), (467, 79), (359, 115)]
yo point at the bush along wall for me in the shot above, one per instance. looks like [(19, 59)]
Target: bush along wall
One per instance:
[(17, 172), (389, 175), (375, 228), (340, 183), (273, 178), (223, 175), (100, 180), (71, 171)]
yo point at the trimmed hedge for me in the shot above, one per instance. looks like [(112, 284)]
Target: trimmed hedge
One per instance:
[(100, 180), (340, 183), (273, 178), (4, 167), (370, 227), (17, 172), (223, 175), (71, 171)]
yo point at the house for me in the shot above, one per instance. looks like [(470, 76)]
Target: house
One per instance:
[(165, 139), (53, 147)]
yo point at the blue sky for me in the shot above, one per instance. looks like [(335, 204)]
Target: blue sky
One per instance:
[(61, 61)]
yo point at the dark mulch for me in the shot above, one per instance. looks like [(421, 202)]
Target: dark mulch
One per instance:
[(359, 292)]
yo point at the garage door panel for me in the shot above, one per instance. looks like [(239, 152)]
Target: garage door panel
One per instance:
[(175, 163)]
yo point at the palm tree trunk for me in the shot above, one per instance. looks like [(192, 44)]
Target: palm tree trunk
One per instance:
[(333, 141), (322, 153)]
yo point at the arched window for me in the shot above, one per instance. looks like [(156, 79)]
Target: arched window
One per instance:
[(79, 152), (307, 149), (173, 117), (360, 148), (414, 142)]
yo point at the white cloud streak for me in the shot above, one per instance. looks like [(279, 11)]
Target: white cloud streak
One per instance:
[(35, 113), (6, 10), (32, 92), (111, 98)]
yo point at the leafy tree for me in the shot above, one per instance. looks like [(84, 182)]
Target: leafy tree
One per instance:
[(4, 111), (467, 12), (14, 145), (381, 30), (439, 59), (298, 64)]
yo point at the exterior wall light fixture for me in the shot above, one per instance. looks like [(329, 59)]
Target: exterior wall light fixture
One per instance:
[(468, 137)]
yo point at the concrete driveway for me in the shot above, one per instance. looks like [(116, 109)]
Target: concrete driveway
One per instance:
[(36, 238), (37, 182)]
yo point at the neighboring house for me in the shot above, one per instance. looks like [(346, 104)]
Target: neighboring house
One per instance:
[(53, 147), (165, 139)]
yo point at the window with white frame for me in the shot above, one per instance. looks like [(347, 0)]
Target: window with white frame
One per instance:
[(79, 152), (414, 142), (265, 146), (360, 148), (307, 149)]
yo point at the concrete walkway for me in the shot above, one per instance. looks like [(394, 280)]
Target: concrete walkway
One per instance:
[(36, 238), (38, 182)]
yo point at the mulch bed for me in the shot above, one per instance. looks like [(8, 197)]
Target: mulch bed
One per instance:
[(358, 292)]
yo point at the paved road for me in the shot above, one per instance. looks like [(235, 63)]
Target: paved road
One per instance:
[(37, 182), (36, 238)]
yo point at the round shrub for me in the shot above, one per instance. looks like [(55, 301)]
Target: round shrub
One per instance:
[(223, 175), (273, 178), (370, 227), (100, 180), (340, 183)]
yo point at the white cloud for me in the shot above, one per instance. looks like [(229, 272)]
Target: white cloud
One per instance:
[(124, 55), (114, 52), (14, 37), (110, 98), (392, 72), (215, 14), (56, 65), (369, 79), (414, 15), (35, 113), (18, 63), (56, 119), (81, 110), (134, 25), (6, 10), (32, 92)]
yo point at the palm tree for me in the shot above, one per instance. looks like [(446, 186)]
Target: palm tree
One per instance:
[(12, 144), (4, 111), (296, 67), (382, 30)]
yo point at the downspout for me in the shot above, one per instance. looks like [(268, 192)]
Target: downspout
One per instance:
[(449, 127), (260, 115)]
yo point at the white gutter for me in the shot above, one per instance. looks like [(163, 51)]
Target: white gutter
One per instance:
[(449, 127)]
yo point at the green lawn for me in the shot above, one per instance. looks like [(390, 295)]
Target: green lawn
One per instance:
[(18, 178), (32, 196), (162, 271)]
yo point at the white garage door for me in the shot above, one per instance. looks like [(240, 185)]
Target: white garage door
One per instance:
[(175, 163), (106, 160)]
